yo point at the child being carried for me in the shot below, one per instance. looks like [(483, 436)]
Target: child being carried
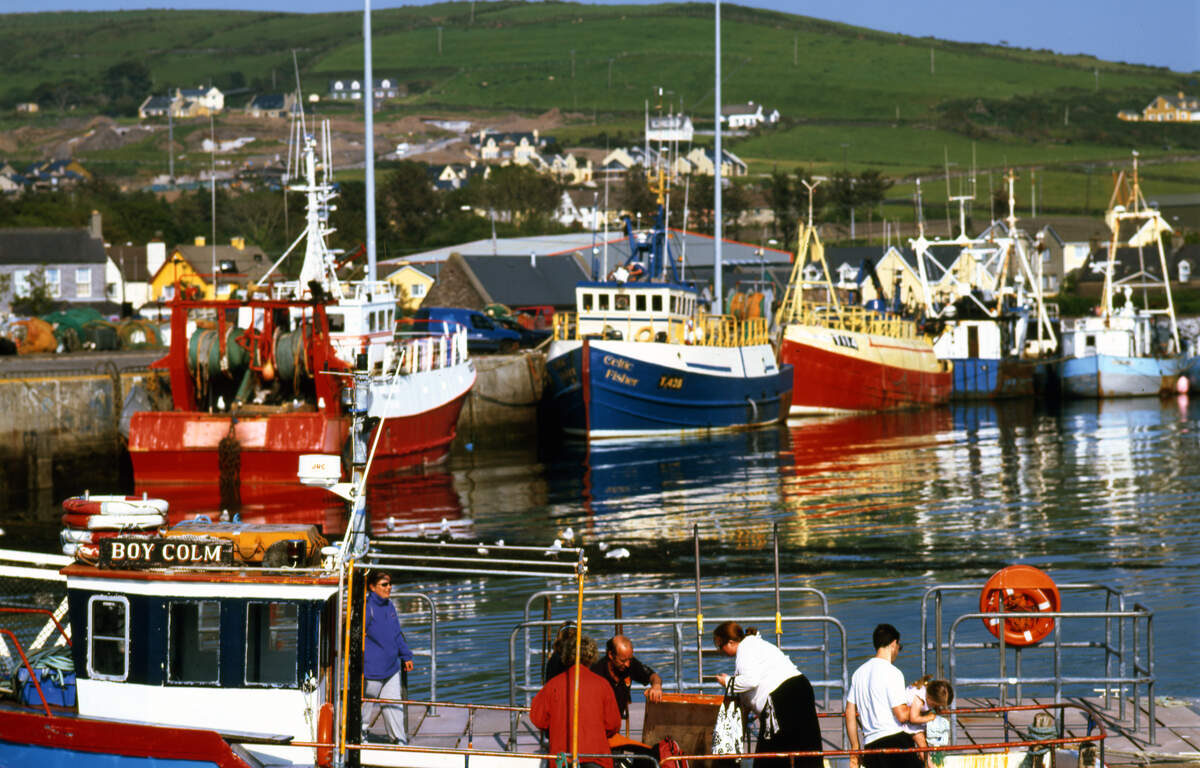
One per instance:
[(926, 699)]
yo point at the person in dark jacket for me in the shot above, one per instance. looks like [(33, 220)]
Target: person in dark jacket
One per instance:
[(385, 654)]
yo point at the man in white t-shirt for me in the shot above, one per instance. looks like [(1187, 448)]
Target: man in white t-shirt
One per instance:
[(877, 698)]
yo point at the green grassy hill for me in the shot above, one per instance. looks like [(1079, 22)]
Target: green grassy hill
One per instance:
[(848, 95)]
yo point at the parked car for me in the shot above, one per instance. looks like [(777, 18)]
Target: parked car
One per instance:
[(530, 337), (483, 333)]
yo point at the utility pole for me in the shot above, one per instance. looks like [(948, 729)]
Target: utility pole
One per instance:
[(170, 143), (439, 29), (369, 138)]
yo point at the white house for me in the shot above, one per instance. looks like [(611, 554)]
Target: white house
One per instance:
[(748, 115), (670, 128), (351, 88)]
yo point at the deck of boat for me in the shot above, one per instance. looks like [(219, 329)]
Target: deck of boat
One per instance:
[(1177, 732)]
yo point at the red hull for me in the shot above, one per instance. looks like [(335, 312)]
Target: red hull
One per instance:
[(178, 447), (829, 381), (78, 734)]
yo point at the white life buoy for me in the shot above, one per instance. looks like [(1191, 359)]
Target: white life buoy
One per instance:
[(108, 522), (114, 505)]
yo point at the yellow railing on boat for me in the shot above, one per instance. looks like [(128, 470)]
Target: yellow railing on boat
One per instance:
[(858, 319), (705, 330)]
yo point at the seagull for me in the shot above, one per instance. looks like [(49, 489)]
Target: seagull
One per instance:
[(603, 546), (499, 542), (568, 534), (391, 523), (445, 525), (620, 553), (555, 548), (481, 550)]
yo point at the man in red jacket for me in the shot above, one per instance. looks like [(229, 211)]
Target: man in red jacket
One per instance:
[(599, 717)]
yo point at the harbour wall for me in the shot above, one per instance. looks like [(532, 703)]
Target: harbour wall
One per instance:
[(52, 417)]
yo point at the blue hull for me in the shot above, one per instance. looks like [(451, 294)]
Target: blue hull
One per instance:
[(1115, 376), (978, 378), (57, 757), (616, 394)]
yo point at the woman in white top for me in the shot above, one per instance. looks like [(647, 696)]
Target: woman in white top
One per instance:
[(777, 691)]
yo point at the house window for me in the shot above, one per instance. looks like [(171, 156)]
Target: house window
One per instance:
[(83, 282), (21, 282), (108, 637), (272, 630), (417, 290), (54, 282), (193, 641)]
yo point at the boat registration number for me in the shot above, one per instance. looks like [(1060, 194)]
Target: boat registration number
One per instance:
[(845, 341), (148, 553), (670, 382)]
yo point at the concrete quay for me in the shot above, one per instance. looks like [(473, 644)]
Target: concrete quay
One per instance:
[(55, 409)]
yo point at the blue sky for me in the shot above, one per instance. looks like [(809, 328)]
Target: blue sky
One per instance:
[(1161, 33)]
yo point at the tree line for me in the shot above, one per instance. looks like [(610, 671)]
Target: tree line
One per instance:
[(413, 216)]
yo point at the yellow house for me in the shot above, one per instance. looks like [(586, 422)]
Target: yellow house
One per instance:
[(891, 267), (412, 286), (177, 275), (1179, 108), (237, 267)]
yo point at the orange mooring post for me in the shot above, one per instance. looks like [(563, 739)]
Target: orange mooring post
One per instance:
[(1020, 589)]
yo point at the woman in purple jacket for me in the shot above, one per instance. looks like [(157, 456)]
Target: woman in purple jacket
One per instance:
[(385, 653)]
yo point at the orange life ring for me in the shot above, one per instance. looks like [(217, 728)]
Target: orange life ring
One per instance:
[(1023, 589), (325, 735)]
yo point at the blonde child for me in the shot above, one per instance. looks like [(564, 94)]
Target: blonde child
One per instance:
[(927, 698)]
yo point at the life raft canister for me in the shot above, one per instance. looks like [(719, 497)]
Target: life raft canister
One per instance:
[(1020, 589)]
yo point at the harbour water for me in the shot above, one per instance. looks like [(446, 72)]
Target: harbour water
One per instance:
[(870, 509)]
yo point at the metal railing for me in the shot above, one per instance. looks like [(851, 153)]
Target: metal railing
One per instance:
[(834, 674), (703, 330), (1126, 640)]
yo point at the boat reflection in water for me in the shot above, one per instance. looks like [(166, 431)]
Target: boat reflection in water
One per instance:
[(416, 504), (648, 492)]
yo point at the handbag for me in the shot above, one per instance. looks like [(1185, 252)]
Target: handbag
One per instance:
[(729, 732)]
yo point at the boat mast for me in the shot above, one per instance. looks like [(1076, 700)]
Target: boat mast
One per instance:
[(369, 139), (717, 289)]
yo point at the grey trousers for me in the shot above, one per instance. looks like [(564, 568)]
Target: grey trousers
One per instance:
[(393, 714)]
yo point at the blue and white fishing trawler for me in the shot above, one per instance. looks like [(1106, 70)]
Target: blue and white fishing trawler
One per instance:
[(640, 356), (995, 325), (1127, 350)]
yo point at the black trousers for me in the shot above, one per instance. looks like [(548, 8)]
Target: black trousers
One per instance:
[(795, 711), (902, 740)]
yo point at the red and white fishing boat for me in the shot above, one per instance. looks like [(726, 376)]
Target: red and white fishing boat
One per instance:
[(851, 358), (257, 382)]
